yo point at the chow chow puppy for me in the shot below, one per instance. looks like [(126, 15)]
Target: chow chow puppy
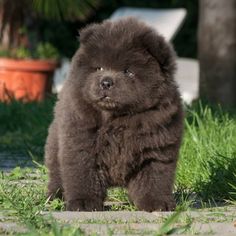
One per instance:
[(118, 120)]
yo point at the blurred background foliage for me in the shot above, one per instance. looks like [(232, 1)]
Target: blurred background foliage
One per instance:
[(65, 9), (63, 35)]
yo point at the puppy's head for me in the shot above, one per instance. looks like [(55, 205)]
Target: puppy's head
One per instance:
[(123, 65)]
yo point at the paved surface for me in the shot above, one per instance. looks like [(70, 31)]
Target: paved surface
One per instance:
[(219, 221), (202, 222), (7, 225), (222, 229), (9, 161), (11, 227)]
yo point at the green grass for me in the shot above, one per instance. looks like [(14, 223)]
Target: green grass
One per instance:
[(206, 170), (24, 126), (207, 162)]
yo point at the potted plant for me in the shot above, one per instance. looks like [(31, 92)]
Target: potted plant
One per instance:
[(27, 77), (26, 69)]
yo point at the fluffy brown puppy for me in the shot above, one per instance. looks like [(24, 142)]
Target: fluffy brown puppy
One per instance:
[(118, 121)]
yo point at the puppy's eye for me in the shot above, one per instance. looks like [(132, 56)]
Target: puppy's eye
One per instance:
[(99, 69), (129, 73)]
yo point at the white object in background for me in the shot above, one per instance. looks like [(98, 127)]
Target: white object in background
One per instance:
[(60, 75), (166, 21), (187, 78)]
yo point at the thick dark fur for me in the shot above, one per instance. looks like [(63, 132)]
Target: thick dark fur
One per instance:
[(125, 131)]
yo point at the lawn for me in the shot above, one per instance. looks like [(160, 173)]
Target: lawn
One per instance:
[(206, 172), (23, 126)]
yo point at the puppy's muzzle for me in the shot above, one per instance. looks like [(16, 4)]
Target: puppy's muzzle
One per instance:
[(106, 83)]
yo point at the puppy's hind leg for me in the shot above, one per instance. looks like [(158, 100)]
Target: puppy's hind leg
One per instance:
[(52, 163)]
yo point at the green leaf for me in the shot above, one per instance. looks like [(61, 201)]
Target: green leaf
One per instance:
[(65, 9)]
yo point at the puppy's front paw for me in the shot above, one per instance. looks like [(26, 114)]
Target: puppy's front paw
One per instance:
[(160, 203), (84, 205), (166, 203)]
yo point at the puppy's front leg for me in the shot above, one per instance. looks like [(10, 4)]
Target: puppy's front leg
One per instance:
[(83, 188), (151, 188)]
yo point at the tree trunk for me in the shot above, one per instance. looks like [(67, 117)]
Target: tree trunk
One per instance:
[(12, 15), (217, 51)]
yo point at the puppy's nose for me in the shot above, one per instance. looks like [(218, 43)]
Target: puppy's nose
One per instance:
[(106, 83)]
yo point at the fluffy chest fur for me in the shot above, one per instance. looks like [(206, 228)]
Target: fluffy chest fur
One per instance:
[(125, 144)]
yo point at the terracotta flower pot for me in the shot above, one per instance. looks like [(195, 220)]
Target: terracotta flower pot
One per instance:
[(26, 80)]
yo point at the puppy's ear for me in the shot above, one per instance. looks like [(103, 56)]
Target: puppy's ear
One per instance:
[(86, 33), (161, 50)]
